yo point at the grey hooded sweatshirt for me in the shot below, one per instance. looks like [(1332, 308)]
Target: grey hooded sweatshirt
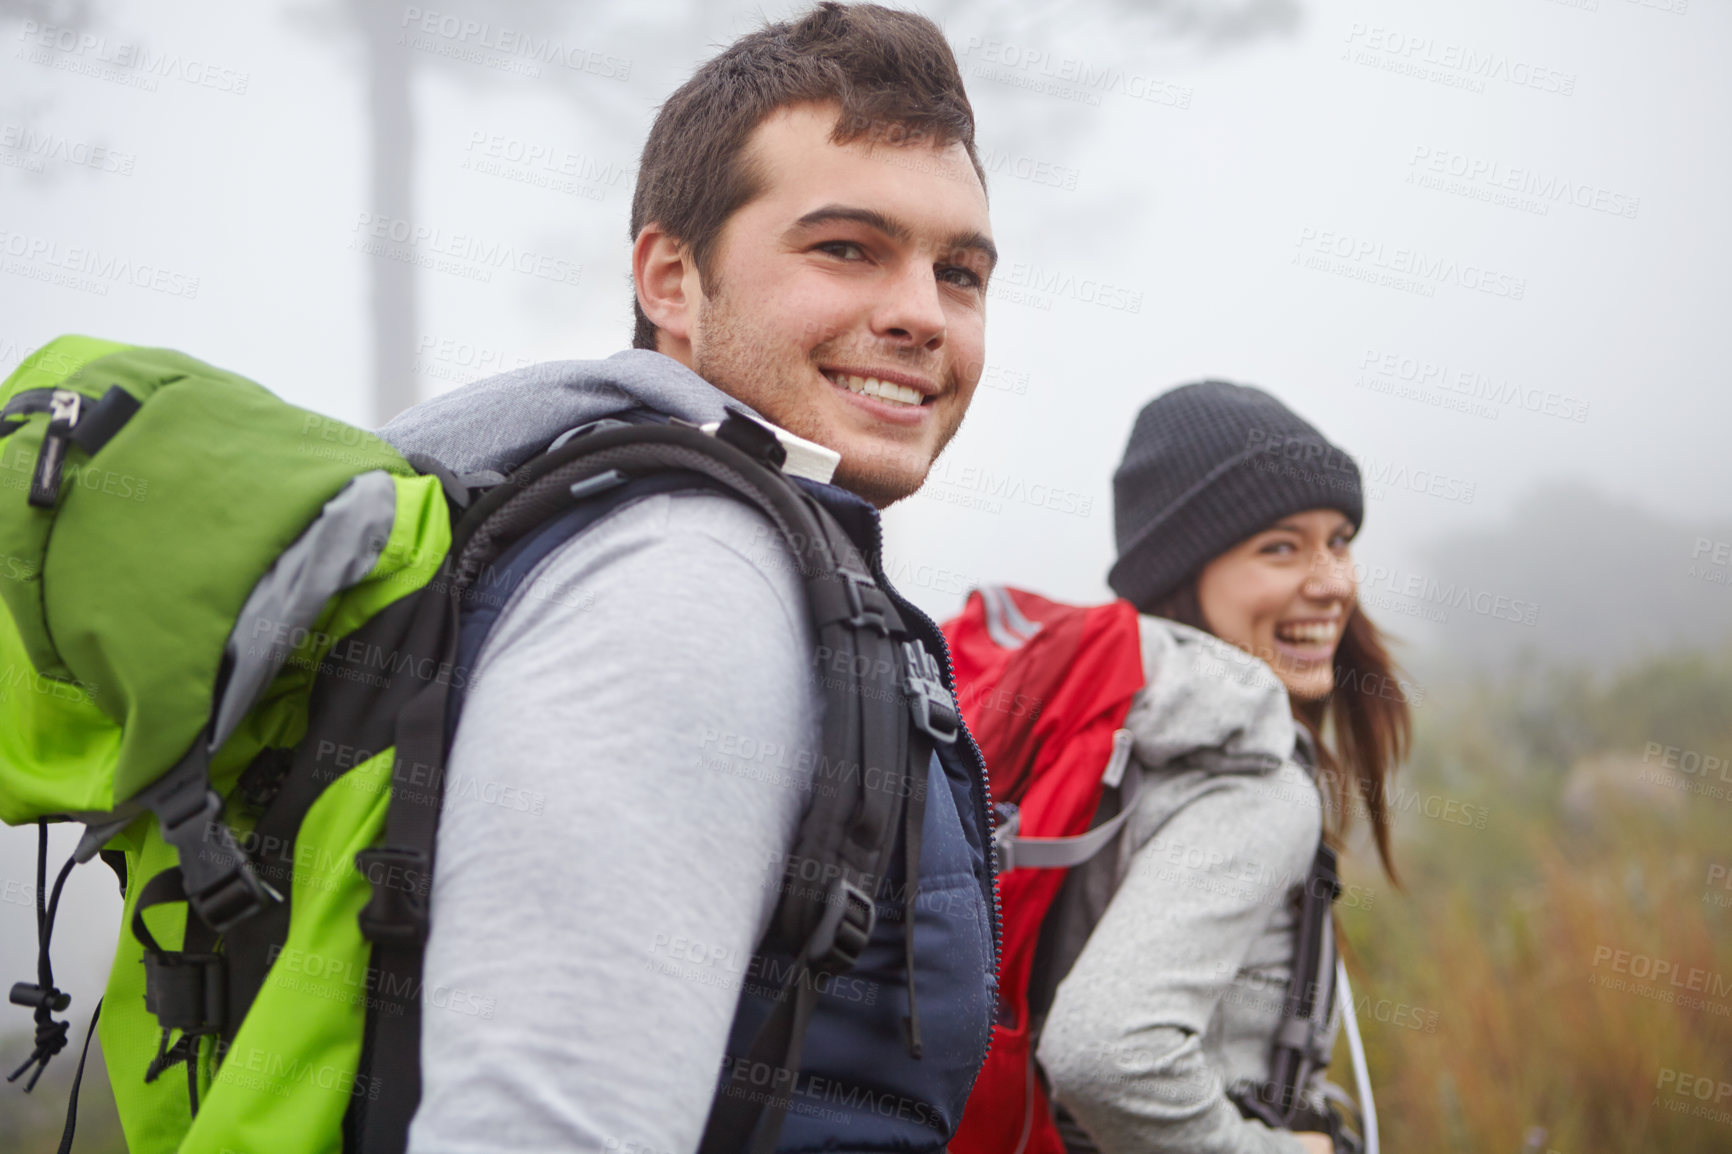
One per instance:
[(1177, 993)]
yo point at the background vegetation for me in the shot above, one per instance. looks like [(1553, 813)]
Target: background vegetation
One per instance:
[(1505, 944)]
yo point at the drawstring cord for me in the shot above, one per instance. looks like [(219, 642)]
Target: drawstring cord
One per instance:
[(50, 1034)]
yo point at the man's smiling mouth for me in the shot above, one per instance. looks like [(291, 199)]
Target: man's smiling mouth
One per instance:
[(874, 387)]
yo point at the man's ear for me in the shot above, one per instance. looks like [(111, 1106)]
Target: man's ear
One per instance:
[(667, 289)]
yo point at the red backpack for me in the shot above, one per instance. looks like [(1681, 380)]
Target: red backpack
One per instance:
[(1045, 688)]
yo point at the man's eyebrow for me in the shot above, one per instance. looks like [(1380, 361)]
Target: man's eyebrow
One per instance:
[(870, 217), (979, 242), (893, 228)]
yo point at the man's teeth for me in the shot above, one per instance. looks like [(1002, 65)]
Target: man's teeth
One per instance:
[(873, 387), (1309, 633)]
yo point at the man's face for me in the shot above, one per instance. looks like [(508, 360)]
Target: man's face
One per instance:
[(848, 300)]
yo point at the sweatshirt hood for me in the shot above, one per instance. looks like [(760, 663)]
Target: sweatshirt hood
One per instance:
[(1207, 704), (500, 422)]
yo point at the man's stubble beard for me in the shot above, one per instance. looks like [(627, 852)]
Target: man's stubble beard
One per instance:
[(723, 356)]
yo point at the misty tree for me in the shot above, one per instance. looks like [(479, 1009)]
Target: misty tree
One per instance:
[(389, 67)]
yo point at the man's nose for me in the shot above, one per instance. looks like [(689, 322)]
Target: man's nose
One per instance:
[(911, 312)]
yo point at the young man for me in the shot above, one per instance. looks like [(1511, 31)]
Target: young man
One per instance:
[(812, 245)]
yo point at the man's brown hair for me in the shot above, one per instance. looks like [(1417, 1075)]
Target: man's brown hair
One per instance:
[(892, 74)]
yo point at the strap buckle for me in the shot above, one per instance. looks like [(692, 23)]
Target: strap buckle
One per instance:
[(186, 992), (220, 884), (842, 932), (396, 914), (1325, 871), (865, 601), (232, 898), (934, 710)]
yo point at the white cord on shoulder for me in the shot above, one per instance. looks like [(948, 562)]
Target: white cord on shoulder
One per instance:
[(1356, 1048)]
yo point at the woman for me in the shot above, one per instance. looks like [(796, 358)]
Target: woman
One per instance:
[(1234, 520)]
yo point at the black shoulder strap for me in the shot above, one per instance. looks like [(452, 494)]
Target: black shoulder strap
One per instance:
[(1300, 1043), (395, 919), (871, 679)]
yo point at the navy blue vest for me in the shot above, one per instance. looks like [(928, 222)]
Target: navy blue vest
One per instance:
[(859, 1088)]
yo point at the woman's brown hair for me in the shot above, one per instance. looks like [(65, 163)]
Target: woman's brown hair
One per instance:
[(1362, 729)]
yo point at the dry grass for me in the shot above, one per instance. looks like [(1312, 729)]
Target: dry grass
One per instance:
[(1516, 937)]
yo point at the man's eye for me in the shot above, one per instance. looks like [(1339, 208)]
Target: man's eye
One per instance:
[(959, 276), (843, 250), (1277, 547)]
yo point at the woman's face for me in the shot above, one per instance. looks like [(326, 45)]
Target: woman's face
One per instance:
[(1285, 595)]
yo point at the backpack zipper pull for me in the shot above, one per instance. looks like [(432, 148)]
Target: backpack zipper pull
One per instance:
[(64, 409)]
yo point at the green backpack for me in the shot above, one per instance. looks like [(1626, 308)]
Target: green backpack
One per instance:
[(227, 648), (137, 706)]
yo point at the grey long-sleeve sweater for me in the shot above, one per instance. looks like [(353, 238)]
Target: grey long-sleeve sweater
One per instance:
[(1177, 993)]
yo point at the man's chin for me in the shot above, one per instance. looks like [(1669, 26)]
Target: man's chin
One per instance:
[(879, 477)]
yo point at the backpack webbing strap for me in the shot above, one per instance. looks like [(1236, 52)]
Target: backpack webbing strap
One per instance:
[(1018, 852), (219, 883), (401, 870), (1300, 1049), (913, 829)]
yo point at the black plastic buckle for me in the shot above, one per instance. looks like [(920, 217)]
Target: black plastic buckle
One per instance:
[(396, 914), (849, 916), (857, 587), (933, 708), (233, 898), (220, 884), (187, 992)]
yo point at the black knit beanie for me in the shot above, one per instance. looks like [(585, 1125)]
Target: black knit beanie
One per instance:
[(1207, 466)]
